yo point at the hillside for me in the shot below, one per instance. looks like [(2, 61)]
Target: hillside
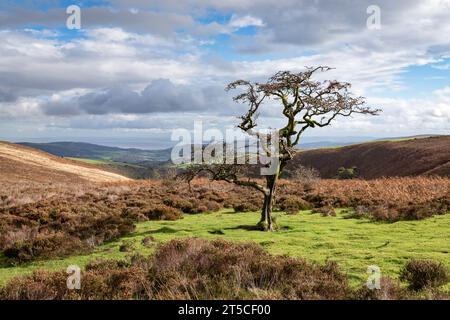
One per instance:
[(94, 151), (411, 157), (19, 163)]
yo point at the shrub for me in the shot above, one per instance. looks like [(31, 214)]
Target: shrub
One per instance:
[(177, 202), (126, 246), (163, 212), (384, 213), (212, 206), (134, 214), (103, 280), (422, 274), (245, 207), (360, 212), (347, 173), (325, 211), (292, 204), (195, 268), (45, 246), (201, 209), (392, 212), (148, 241), (306, 176), (389, 290), (192, 269)]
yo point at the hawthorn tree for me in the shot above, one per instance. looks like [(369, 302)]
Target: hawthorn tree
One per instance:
[(305, 103)]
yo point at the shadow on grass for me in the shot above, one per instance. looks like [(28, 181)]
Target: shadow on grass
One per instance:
[(216, 231), (163, 230), (5, 263), (246, 227), (257, 228)]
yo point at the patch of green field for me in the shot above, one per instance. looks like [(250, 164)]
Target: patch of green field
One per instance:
[(353, 243), (104, 162), (91, 161)]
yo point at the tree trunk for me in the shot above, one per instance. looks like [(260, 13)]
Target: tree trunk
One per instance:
[(266, 212), (263, 219)]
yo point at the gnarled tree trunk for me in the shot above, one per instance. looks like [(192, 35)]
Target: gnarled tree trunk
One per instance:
[(266, 221)]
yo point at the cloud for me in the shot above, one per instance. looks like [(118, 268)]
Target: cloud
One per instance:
[(160, 96), (164, 24), (7, 96), (245, 21), (19, 109), (103, 58), (162, 58), (158, 122)]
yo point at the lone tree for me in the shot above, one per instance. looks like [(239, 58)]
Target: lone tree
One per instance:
[(306, 103)]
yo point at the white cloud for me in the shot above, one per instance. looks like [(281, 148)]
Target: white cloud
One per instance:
[(245, 21)]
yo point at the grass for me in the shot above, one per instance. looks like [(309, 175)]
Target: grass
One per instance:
[(90, 161), (353, 243), (104, 162)]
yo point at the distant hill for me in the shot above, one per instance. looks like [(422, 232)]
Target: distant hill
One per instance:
[(94, 151), (419, 155), (146, 158), (21, 163), (403, 157)]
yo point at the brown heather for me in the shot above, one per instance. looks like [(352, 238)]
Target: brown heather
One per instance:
[(192, 269), (195, 268), (49, 220)]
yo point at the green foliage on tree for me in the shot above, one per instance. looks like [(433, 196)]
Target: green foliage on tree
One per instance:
[(347, 173)]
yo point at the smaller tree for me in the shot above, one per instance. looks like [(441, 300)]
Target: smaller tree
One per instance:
[(307, 176), (347, 173)]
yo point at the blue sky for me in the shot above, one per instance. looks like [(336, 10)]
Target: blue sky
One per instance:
[(140, 69)]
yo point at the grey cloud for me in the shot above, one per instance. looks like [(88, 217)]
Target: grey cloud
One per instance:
[(160, 96), (58, 108), (313, 23), (7, 96), (159, 23), (143, 21), (308, 24), (158, 122), (298, 22), (80, 64)]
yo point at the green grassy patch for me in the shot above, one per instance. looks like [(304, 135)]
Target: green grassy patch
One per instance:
[(353, 243), (105, 162), (91, 161)]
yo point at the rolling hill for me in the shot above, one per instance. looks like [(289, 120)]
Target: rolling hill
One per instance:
[(98, 152), (20, 163), (409, 157)]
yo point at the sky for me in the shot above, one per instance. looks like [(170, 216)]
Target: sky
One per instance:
[(136, 70)]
